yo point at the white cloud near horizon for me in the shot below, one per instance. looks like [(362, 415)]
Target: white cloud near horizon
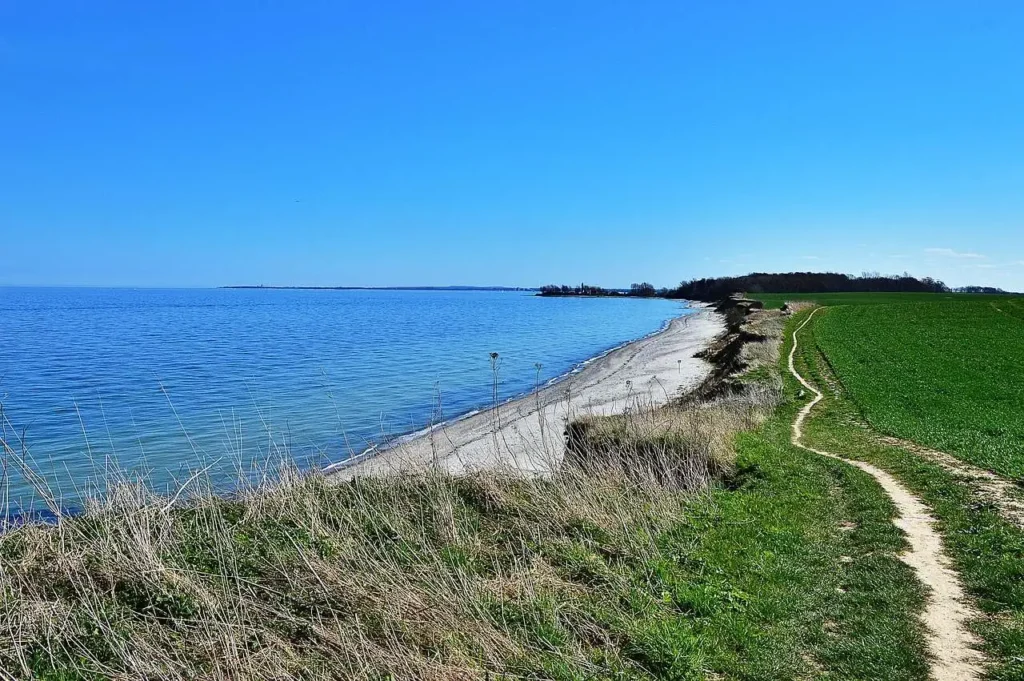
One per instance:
[(950, 253)]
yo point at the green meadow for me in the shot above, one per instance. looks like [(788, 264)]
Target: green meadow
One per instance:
[(834, 299), (946, 371), (984, 546)]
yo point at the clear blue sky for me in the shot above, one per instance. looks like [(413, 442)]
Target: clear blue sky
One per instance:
[(513, 143)]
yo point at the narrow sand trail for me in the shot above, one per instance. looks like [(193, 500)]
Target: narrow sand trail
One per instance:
[(950, 643)]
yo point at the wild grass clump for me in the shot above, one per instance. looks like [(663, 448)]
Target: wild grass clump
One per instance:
[(768, 326), (684, 445), (411, 577), (425, 576)]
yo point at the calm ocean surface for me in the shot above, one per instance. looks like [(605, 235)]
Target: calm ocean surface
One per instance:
[(162, 383)]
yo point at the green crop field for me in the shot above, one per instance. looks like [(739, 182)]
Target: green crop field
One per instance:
[(777, 299), (946, 372)]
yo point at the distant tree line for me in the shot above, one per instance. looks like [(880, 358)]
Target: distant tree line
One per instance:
[(717, 288), (581, 290), (978, 289), (713, 289)]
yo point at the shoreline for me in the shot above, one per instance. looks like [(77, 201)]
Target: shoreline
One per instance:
[(526, 432), (403, 438)]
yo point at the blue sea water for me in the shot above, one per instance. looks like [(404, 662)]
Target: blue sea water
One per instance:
[(160, 384)]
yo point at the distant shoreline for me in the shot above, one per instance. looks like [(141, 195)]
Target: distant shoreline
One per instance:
[(380, 288)]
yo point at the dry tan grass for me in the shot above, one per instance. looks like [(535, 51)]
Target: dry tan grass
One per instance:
[(686, 443), (769, 325), (406, 577), (682, 445)]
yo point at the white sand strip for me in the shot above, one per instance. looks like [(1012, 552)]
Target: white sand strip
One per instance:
[(527, 434)]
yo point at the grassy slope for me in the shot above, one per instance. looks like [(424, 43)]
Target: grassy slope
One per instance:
[(789, 571), (946, 371), (986, 550), (746, 583)]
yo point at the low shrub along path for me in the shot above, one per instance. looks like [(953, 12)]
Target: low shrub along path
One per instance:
[(951, 644)]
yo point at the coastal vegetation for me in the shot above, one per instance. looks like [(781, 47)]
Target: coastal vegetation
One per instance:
[(716, 288), (653, 563), (642, 290), (580, 290), (590, 572), (688, 541)]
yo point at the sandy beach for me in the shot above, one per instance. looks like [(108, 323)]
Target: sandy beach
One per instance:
[(526, 434)]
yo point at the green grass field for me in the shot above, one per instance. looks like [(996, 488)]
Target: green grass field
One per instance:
[(777, 299), (986, 550), (946, 374), (946, 371)]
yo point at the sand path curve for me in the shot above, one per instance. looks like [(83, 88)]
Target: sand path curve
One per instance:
[(950, 642)]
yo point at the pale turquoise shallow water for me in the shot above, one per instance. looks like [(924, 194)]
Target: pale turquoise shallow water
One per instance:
[(162, 383)]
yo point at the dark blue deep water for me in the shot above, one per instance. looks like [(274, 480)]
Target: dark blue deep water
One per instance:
[(162, 383)]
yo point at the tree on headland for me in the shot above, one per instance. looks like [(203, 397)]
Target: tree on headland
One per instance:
[(581, 290), (643, 290)]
